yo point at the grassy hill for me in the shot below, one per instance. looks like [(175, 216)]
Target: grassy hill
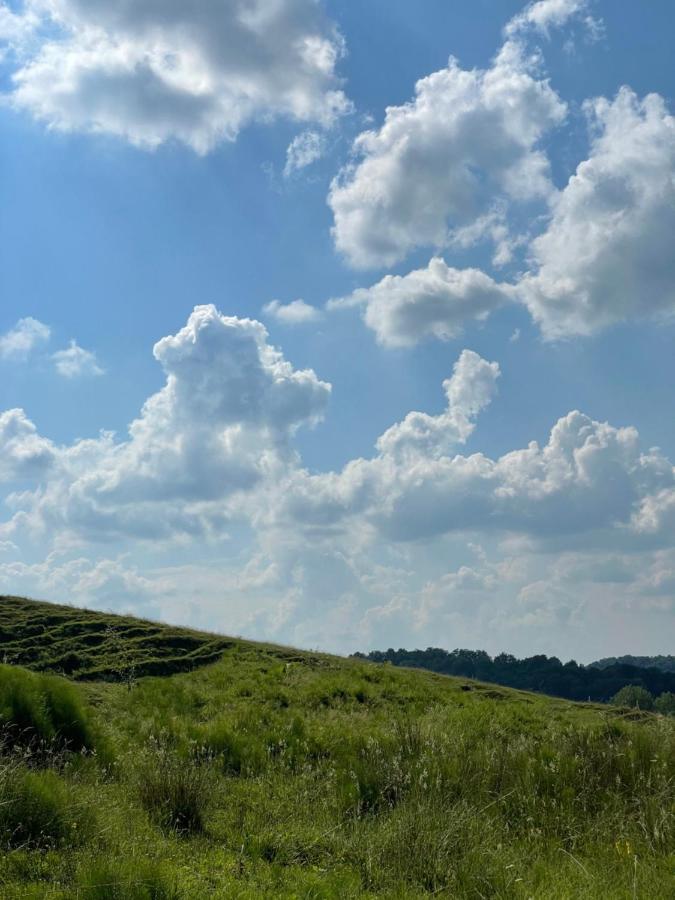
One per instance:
[(84, 644), (277, 773)]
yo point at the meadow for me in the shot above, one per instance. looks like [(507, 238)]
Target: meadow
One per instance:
[(271, 772)]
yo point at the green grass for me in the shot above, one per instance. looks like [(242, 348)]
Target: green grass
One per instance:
[(84, 644), (275, 773)]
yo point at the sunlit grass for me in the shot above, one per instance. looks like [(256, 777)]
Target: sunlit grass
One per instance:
[(278, 774)]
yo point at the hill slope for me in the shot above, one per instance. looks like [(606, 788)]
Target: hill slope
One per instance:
[(276, 773), (92, 645)]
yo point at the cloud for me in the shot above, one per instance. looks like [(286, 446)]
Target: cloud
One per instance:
[(589, 478), (607, 253), (21, 340), (194, 72), (468, 141), (297, 312), (305, 149), (75, 362), (24, 454), (469, 390), (419, 539), (433, 302), (543, 15), (604, 257), (221, 424)]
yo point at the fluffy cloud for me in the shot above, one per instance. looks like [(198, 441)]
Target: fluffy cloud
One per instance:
[(221, 424), (431, 302), (420, 538), (607, 254), (589, 478), (21, 340), (297, 312), (468, 140), (23, 453), (195, 72), (469, 390), (604, 257), (76, 362)]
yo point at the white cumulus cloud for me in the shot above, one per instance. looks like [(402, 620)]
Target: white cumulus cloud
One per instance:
[(438, 164), (435, 301), (23, 452), (607, 253), (221, 424), (194, 72)]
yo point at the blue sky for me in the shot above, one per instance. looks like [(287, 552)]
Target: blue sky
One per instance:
[(146, 171)]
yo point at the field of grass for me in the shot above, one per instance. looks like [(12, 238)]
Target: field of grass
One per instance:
[(278, 773)]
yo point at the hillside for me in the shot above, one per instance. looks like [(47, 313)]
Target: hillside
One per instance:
[(277, 773), (84, 644)]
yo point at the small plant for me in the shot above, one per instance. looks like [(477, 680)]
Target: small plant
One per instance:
[(175, 790), (123, 666)]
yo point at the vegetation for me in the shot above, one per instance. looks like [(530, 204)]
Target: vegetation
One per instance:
[(634, 696), (546, 674), (42, 712), (275, 773), (665, 663), (84, 644)]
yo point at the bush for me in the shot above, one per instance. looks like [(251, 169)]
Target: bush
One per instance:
[(134, 880), (634, 696), (665, 704), (175, 790), (37, 812), (42, 710)]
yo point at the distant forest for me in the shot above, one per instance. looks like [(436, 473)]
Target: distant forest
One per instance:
[(598, 682)]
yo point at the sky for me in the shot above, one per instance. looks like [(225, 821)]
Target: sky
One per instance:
[(346, 326)]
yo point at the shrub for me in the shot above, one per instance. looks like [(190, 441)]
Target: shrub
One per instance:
[(36, 810), (665, 704), (132, 880), (42, 710), (635, 696), (174, 790)]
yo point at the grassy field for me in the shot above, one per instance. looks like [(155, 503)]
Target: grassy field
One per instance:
[(278, 773)]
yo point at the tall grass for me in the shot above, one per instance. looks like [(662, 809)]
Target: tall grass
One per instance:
[(328, 779), (105, 879), (174, 789), (42, 711), (37, 810)]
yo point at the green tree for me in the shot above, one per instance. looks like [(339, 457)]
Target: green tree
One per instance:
[(633, 695), (665, 704)]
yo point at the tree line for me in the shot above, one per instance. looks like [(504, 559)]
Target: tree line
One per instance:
[(545, 674)]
